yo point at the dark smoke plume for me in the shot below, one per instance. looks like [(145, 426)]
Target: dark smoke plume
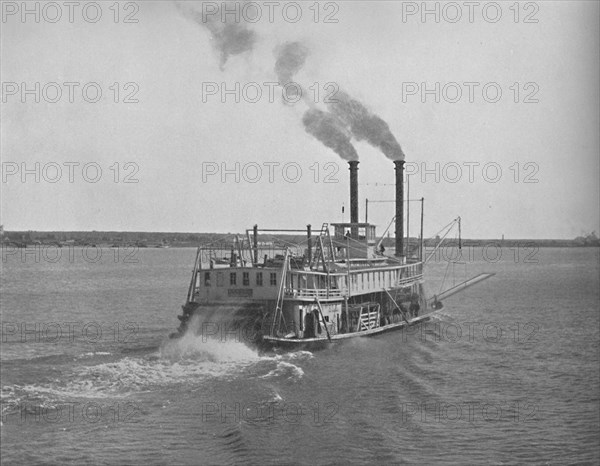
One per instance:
[(229, 36), (365, 125), (290, 59), (331, 131), (232, 39), (331, 128)]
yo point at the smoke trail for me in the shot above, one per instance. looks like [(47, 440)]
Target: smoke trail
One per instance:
[(365, 125), (230, 36), (290, 59), (331, 131), (325, 126)]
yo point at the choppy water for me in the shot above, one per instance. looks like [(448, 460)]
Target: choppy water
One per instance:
[(507, 373)]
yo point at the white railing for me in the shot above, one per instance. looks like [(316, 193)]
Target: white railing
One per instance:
[(368, 320), (337, 285), (313, 293)]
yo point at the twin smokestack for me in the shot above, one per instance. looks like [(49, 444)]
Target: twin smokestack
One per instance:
[(353, 191), (399, 167)]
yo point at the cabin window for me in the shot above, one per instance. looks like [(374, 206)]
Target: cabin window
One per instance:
[(246, 279), (259, 279), (233, 278), (220, 279), (273, 279), (206, 278)]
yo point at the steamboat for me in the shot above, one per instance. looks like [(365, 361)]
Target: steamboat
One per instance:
[(335, 285)]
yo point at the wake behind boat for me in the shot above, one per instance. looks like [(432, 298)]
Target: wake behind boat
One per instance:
[(328, 288)]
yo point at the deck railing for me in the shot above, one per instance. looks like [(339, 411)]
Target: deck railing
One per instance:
[(300, 284), (313, 293)]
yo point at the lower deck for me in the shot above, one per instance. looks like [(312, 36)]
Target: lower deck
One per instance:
[(315, 319), (323, 341)]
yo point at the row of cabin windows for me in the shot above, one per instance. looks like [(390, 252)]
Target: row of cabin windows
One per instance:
[(245, 279)]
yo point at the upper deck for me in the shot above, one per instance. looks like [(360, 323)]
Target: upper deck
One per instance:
[(342, 280), (331, 267)]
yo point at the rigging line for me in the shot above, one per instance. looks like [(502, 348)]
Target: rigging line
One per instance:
[(447, 227), (445, 275), (392, 201), (443, 230), (217, 241), (285, 242), (439, 244)]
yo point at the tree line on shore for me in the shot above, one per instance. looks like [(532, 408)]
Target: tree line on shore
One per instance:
[(165, 239)]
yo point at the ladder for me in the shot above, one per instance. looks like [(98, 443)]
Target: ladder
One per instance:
[(279, 306), (321, 248), (193, 281), (323, 318)]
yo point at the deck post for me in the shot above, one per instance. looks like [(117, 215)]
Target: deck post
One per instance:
[(407, 245), (422, 239), (255, 239), (309, 241)]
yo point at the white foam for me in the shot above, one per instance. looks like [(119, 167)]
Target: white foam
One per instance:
[(190, 358), (93, 353), (300, 355), (285, 369), (200, 348)]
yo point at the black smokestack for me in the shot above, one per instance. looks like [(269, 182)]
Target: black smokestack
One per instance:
[(353, 192), (399, 207)]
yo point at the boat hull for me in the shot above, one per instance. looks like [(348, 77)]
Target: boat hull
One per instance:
[(270, 342)]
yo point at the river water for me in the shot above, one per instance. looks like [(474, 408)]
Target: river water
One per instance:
[(507, 373)]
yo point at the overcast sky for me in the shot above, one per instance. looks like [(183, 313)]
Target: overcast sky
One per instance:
[(528, 158)]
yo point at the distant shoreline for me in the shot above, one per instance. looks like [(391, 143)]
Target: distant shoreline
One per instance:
[(166, 240)]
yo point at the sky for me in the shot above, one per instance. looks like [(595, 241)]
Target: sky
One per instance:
[(497, 116)]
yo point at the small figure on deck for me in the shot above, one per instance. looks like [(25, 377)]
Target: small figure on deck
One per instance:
[(414, 305), (309, 325), (399, 314), (381, 249), (385, 317)]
